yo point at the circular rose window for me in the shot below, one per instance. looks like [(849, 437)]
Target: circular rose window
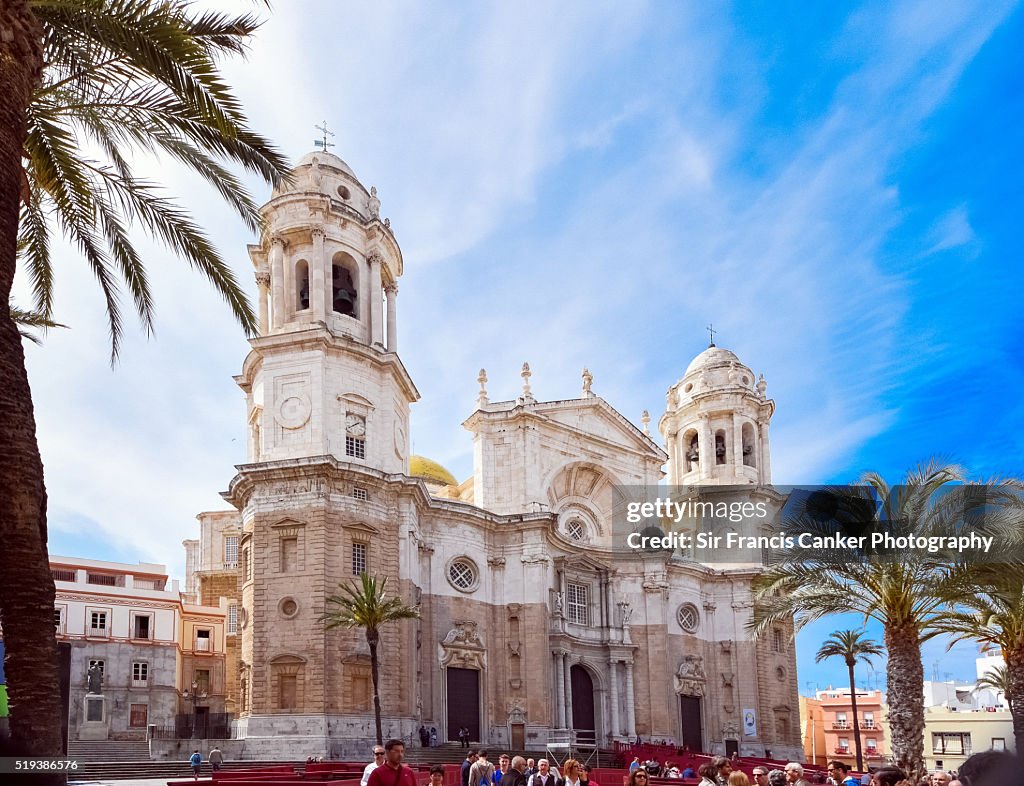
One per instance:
[(688, 617), (462, 574)]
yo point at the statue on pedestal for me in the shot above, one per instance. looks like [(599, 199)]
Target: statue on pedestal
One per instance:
[(95, 679)]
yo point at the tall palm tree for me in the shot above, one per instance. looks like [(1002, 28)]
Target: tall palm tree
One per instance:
[(84, 85), (366, 605), (990, 609), (994, 680), (852, 647), (906, 591), (25, 320)]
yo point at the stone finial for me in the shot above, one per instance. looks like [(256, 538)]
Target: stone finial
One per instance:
[(373, 204), (526, 374), (762, 386), (588, 380), (645, 418), (481, 399)]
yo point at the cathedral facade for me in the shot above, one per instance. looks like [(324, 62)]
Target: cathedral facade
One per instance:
[(532, 632)]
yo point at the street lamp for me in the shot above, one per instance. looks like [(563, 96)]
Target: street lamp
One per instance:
[(194, 695)]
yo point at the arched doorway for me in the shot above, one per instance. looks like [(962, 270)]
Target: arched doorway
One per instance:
[(583, 717)]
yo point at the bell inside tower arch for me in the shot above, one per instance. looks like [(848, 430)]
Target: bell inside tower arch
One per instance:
[(343, 289)]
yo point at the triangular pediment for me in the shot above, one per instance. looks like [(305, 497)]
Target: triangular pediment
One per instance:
[(598, 418)]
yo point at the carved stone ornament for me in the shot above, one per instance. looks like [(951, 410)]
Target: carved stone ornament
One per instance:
[(690, 678), (463, 648), (729, 730), (516, 711), (727, 679)]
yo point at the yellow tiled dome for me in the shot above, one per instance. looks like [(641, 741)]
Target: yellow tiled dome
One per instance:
[(420, 467)]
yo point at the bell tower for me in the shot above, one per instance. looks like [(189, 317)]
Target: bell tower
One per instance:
[(323, 377), (715, 424)]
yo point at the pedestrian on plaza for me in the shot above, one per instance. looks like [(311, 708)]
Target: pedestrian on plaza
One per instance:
[(393, 772), (639, 777), (424, 736), (795, 774), (531, 769), (887, 776), (467, 765), (482, 771), (738, 778), (708, 773), (433, 737), (585, 776), (437, 775), (216, 758), (196, 760), (503, 766), (760, 773), (777, 778), (516, 775), (839, 771), (378, 759), (570, 773), (941, 778), (634, 764), (543, 776), (688, 772)]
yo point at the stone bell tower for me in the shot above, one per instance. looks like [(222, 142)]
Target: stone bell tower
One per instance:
[(324, 378), (715, 424)]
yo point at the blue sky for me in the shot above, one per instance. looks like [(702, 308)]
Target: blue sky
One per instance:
[(836, 186)]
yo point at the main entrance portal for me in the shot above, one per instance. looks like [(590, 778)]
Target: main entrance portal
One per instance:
[(689, 711), (463, 702), (583, 706)]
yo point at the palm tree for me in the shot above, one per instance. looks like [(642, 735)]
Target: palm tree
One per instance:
[(851, 647), (906, 591), (990, 610), (995, 680), (366, 605), (31, 319), (115, 77)]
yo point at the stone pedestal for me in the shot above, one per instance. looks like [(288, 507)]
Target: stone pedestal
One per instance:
[(95, 720)]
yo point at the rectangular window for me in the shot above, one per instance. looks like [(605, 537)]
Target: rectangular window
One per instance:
[(872, 745), (203, 640), (96, 662), (287, 692), (355, 446), (202, 681), (62, 574), (98, 623), (289, 554), (358, 559), (232, 618), (58, 619), (104, 580), (231, 551), (577, 604), (245, 565), (844, 744), (359, 493), (869, 720), (140, 674), (140, 626), (138, 716), (777, 640), (999, 743)]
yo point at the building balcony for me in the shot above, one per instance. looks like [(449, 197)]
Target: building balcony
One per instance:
[(841, 725), (842, 751)]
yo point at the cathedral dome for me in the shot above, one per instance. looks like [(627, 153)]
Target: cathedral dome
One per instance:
[(431, 471), (327, 159), (712, 356)]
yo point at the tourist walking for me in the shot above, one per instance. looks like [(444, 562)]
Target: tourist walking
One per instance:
[(516, 775), (795, 774), (393, 772), (543, 776), (424, 736), (708, 773), (585, 776), (378, 759), (482, 771), (639, 777), (216, 758), (433, 737), (503, 767), (531, 769), (467, 765), (570, 773), (437, 775), (196, 761), (839, 772)]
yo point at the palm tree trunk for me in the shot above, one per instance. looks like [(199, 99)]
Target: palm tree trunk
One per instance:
[(26, 586), (856, 720), (904, 677), (372, 638), (1015, 692)]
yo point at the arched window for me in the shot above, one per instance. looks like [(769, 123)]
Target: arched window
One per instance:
[(720, 446), (343, 290), (691, 450), (749, 456), (301, 285)]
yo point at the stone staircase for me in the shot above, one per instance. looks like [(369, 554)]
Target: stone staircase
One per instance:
[(108, 750)]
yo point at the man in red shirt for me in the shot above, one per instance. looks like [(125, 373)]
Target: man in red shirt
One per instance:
[(393, 772)]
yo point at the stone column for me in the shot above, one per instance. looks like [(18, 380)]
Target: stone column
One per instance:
[(761, 449), (559, 692), (568, 691), (630, 704), (391, 292), (263, 283), (364, 298), (737, 441), (317, 283), (613, 684), (277, 280), (376, 298), (707, 447)]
